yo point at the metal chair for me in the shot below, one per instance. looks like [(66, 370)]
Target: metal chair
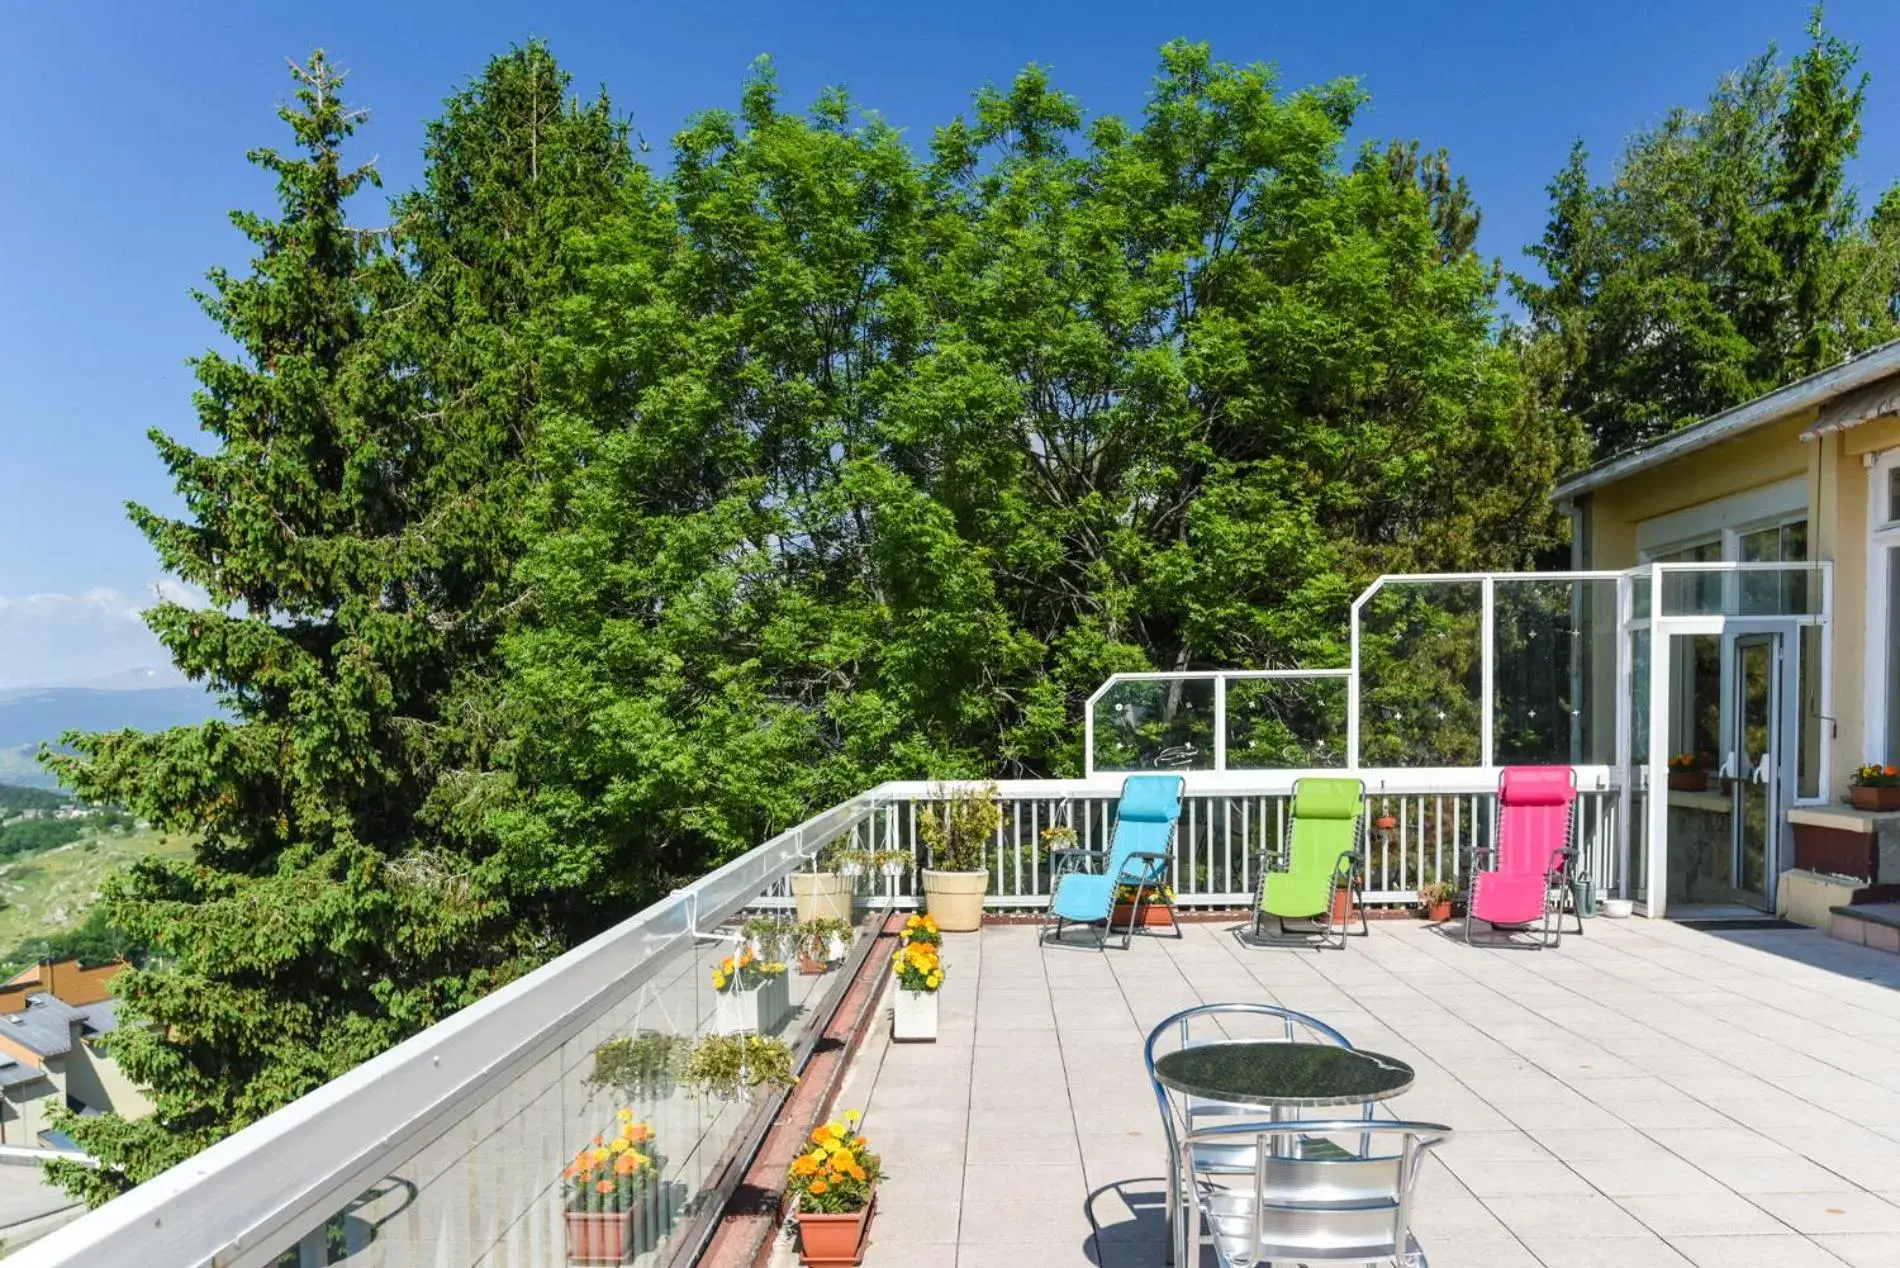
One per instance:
[(1319, 859), (1523, 877), (1193, 1113), (1342, 1209), (1137, 856)]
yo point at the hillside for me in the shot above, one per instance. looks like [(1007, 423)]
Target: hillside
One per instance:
[(45, 894), (32, 716), (14, 799)]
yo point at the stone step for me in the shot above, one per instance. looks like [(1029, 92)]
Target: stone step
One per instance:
[(1875, 925)]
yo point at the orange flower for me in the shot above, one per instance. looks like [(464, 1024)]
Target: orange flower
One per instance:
[(818, 1186), (605, 1186), (626, 1164)]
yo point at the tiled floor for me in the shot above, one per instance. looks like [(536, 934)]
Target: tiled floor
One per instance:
[(1646, 1095)]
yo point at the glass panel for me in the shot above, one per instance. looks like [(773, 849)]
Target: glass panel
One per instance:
[(1695, 693), (1691, 593), (1813, 714), (1792, 589), (1754, 787), (1893, 496), (1285, 723), (1893, 655), (1638, 774), (1700, 840), (1774, 592), (1421, 675), (1555, 672), (1156, 724)]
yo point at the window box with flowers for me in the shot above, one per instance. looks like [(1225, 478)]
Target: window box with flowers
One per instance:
[(611, 1195), (918, 967), (1687, 773), (1876, 788), (832, 1186), (1155, 909), (750, 994)]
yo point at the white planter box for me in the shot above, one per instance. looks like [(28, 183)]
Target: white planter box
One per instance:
[(760, 1009), (914, 1016)]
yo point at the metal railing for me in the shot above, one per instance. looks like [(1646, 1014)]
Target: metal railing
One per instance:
[(1230, 822), (453, 1148)]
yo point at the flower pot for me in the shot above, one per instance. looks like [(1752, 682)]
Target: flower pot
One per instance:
[(825, 1240), (956, 899), (914, 1016), (1689, 780), (836, 948), (821, 896), (1437, 913), (1342, 907), (1618, 908), (808, 967), (1152, 915), (1385, 823), (602, 1237), (759, 1008), (1880, 798)]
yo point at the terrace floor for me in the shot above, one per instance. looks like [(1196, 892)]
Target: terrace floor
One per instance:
[(1645, 1095)]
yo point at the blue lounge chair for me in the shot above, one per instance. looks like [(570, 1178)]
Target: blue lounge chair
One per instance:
[(1137, 856)]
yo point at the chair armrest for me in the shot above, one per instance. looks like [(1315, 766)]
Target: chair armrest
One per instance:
[(1155, 858), (1346, 865), (1481, 852), (1072, 858)]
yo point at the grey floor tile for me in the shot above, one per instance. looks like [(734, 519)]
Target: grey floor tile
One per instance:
[(1779, 1250), (1700, 1214), (1606, 1252), (1823, 1213), (1862, 1250)]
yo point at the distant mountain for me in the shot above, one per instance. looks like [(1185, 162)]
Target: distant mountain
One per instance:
[(32, 716)]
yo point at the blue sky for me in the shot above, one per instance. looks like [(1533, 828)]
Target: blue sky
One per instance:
[(125, 126)]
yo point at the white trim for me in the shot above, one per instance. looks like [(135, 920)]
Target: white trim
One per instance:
[(1882, 535), (1736, 513)]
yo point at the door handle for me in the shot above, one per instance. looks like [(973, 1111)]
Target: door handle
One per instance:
[(1727, 769), (1761, 772)]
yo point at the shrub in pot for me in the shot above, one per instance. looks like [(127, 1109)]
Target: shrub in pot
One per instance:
[(1434, 900), (824, 892), (958, 833)]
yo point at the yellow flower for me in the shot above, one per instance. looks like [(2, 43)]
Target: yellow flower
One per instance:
[(625, 1116), (620, 1145), (852, 1116), (835, 1130), (719, 981), (934, 980), (602, 1154)]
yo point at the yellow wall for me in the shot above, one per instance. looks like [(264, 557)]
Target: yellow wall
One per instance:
[(96, 1079), (1832, 467)]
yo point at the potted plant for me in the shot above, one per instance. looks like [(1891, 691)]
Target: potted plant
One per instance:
[(958, 834), (891, 864), (643, 1066), (610, 1194), (750, 993), (731, 1067), (832, 1186), (1434, 900), (918, 967), (921, 928), (1687, 773), (1875, 788), (1386, 822), (820, 943), (1156, 910), (825, 891), (769, 937)]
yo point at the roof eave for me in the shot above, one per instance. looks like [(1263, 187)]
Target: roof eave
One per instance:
[(1746, 417)]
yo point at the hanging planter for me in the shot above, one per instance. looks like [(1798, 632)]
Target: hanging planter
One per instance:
[(750, 994)]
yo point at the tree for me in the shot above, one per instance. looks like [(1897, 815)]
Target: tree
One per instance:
[(1724, 258), (355, 531)]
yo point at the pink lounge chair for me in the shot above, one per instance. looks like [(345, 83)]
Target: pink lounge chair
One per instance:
[(1520, 881)]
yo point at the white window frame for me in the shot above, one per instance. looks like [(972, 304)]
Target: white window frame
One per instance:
[(1883, 535)]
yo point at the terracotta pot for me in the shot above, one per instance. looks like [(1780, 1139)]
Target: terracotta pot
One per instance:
[(1342, 907), (821, 896), (956, 899), (1689, 780), (808, 967), (595, 1237), (1151, 916), (1385, 823), (1876, 798), (1437, 913), (825, 1240)]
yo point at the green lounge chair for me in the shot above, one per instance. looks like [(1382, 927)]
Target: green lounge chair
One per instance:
[(1320, 858)]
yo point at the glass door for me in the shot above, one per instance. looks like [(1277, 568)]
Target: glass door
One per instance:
[(1757, 753)]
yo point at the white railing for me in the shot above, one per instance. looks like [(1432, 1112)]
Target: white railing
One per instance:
[(1230, 821)]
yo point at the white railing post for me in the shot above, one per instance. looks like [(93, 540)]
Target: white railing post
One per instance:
[(1488, 669), (1220, 722)]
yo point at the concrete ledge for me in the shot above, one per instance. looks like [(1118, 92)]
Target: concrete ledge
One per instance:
[(1840, 818), (1809, 898)]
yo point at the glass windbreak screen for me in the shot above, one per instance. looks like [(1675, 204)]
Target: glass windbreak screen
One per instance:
[(1792, 589), (1285, 723), (1421, 674), (1156, 724), (1554, 672), (1813, 714), (1687, 592), (1637, 776)]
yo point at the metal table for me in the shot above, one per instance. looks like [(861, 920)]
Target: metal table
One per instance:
[(1281, 1075)]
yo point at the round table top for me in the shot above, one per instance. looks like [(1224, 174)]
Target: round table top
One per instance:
[(1274, 1072)]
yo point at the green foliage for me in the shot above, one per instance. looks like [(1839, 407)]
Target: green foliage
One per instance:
[(14, 799), (36, 835), (959, 830), (1725, 257), (354, 527), (729, 1067), (93, 941)]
